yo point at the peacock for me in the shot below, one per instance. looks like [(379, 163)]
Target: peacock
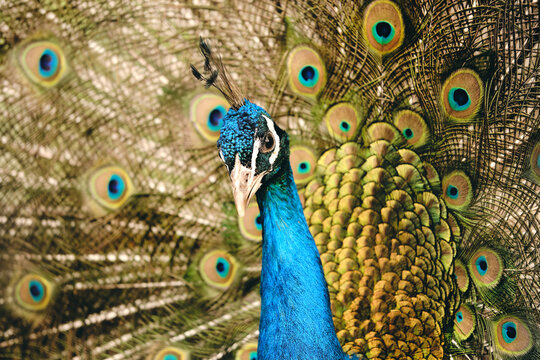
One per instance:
[(357, 179)]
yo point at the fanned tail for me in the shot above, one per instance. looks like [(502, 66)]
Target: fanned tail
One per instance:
[(415, 147)]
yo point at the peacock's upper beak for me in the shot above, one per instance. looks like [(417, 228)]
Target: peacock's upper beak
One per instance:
[(244, 185)]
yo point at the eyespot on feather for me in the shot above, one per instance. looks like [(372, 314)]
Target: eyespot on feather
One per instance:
[(43, 62), (462, 277), (303, 163), (513, 336), (33, 292), (464, 322), (383, 26), (486, 268), (457, 190), (307, 73), (218, 269), (251, 223), (342, 121), (110, 187), (413, 128), (206, 114), (171, 353), (247, 352), (461, 95)]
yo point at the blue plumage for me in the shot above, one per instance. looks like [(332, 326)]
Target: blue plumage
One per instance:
[(296, 321), (237, 134)]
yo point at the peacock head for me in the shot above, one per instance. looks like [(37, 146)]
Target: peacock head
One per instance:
[(251, 145), (253, 148)]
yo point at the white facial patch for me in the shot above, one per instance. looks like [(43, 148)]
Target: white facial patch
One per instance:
[(256, 147), (272, 129), (242, 176)]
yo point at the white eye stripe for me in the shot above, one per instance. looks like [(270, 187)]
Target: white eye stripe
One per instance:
[(256, 147), (272, 129)]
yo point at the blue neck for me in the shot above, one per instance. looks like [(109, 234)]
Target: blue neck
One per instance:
[(296, 322)]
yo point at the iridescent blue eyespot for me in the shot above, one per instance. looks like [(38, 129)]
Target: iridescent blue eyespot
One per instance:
[(304, 167), (48, 63), (308, 76), (458, 190), (383, 26), (222, 267), (515, 337), (247, 352), (218, 269), (36, 290), (258, 222), (206, 112), (459, 99), (452, 192), (538, 161), (459, 316), (464, 323), (461, 95), (303, 163), (412, 126), (43, 62), (481, 265), (306, 71), (486, 268), (509, 331), (33, 292), (115, 187), (344, 126), (251, 223), (383, 32), (342, 121), (408, 133), (170, 353), (215, 118), (109, 188)]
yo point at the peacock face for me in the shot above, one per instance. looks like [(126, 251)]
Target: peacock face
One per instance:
[(253, 148)]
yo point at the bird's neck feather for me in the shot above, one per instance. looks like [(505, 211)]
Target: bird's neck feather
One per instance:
[(296, 321)]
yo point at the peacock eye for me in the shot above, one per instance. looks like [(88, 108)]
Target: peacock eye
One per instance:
[(171, 353), (43, 62), (268, 143), (247, 352), (33, 292)]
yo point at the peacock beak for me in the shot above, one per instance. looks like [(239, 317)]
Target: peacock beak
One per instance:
[(244, 185)]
